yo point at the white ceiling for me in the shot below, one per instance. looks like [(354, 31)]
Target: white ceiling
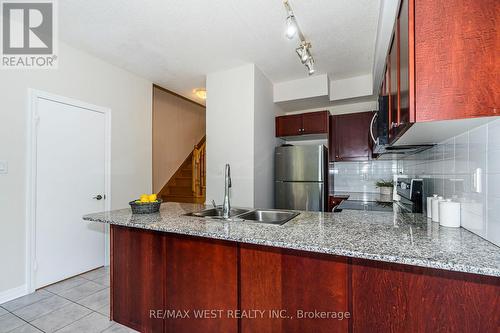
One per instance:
[(175, 43)]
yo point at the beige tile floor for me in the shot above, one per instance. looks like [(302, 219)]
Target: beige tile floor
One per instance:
[(79, 304)]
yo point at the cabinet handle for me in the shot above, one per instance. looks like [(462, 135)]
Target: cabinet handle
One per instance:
[(371, 128)]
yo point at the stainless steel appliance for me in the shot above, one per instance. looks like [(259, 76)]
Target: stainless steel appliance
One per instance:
[(378, 206), (301, 178), (411, 192)]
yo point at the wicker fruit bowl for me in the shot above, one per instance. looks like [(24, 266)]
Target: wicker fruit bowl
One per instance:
[(147, 204)]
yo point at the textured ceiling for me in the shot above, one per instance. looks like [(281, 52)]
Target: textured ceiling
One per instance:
[(176, 43)]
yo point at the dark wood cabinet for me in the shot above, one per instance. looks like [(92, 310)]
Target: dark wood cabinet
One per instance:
[(404, 62), (275, 279), (441, 70), (202, 274), (393, 84), (349, 138), (315, 122), (399, 298), (335, 201), (157, 276), (289, 125), (154, 271), (456, 59), (302, 124), (137, 271)]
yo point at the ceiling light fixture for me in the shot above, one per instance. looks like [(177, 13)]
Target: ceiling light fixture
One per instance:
[(303, 52), (292, 29), (200, 93), (310, 66)]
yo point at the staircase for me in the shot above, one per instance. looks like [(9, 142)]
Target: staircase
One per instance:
[(188, 182)]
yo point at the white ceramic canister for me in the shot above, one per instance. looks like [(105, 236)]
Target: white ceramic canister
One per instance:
[(449, 213), (435, 208), (429, 205)]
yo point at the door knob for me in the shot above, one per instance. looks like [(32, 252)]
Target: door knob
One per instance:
[(98, 197)]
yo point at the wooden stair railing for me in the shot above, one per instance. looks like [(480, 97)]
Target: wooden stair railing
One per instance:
[(199, 170), (188, 182)]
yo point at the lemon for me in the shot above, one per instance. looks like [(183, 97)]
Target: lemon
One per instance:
[(152, 197), (144, 198)]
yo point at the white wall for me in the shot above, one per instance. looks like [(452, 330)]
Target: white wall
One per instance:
[(309, 87), (345, 108), (264, 141), (361, 176), (353, 87), (450, 167), (240, 131), (86, 78), (229, 121)]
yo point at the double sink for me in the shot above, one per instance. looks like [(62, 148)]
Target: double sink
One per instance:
[(268, 216)]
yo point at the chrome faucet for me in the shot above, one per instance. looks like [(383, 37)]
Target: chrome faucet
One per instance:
[(226, 207)]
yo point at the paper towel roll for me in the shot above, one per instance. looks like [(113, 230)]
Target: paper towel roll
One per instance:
[(429, 205), (435, 208), (449, 213)]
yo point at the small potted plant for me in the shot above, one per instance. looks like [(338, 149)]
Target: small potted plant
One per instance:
[(385, 186)]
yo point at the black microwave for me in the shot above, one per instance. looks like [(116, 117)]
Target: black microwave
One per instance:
[(382, 121)]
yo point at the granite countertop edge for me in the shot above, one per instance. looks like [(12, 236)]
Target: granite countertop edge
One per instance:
[(331, 250)]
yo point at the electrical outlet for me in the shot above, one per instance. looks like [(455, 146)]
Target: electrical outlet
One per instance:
[(4, 167)]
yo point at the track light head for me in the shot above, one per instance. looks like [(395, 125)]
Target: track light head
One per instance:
[(303, 52), (291, 27), (310, 66)]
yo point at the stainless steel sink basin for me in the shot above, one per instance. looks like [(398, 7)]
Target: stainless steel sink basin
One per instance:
[(216, 213), (269, 216), (277, 217)]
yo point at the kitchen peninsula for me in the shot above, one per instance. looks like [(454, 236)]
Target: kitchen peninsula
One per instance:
[(348, 271)]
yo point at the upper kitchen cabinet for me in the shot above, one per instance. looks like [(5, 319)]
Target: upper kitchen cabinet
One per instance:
[(441, 70), (302, 124), (350, 137), (456, 46)]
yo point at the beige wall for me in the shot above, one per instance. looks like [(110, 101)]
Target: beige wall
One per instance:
[(178, 125), (86, 78)]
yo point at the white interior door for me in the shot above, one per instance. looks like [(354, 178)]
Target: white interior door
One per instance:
[(70, 173)]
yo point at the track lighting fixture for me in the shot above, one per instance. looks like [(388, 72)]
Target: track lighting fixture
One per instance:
[(310, 66), (303, 52), (292, 29)]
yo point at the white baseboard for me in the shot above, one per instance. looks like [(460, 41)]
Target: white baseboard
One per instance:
[(13, 293)]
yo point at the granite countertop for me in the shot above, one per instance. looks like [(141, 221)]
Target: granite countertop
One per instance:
[(384, 236)]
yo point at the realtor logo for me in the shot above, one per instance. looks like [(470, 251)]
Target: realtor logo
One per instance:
[(28, 34)]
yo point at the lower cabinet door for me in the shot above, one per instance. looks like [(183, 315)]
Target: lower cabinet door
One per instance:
[(137, 278), (291, 291), (398, 298), (202, 281)]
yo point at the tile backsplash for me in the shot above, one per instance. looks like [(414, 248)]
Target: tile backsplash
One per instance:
[(360, 176), (452, 170)]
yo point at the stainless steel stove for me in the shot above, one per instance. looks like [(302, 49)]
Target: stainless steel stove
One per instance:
[(377, 206)]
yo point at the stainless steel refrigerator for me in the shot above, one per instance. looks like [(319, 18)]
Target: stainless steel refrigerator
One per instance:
[(301, 177)]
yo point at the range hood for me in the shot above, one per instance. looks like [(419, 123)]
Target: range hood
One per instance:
[(399, 150)]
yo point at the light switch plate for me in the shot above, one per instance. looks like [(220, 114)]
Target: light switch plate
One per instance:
[(4, 167)]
